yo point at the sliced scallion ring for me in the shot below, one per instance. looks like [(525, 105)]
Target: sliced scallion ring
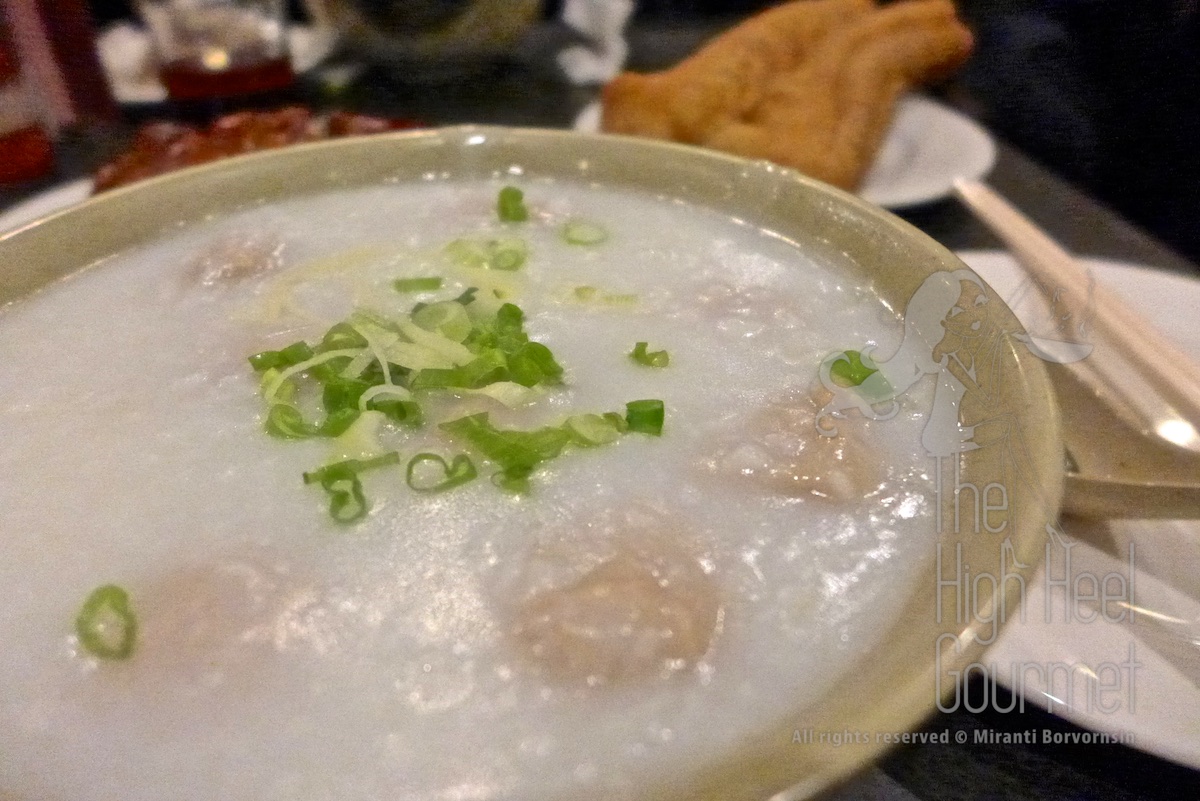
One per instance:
[(459, 471), (582, 232), (106, 626), (347, 503), (428, 284), (510, 205), (657, 358), (645, 416)]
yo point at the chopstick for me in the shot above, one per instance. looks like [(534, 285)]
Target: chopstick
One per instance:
[(1163, 366)]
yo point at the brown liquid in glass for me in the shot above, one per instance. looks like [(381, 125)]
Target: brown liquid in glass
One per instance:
[(190, 80)]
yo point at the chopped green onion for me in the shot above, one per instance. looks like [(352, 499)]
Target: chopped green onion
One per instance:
[(507, 254), (291, 355), (509, 393), (489, 367), (849, 370), (417, 284), (279, 378), (620, 300), (591, 294), (494, 254), (273, 384), (435, 341), (581, 232), (347, 503), (340, 469), (449, 318), (618, 421), (106, 625), (340, 481), (514, 479), (379, 391), (361, 439), (510, 328), (342, 393), (349, 367), (405, 412), (645, 416), (460, 471), (352, 368), (504, 348), (533, 364), (341, 337), (285, 422), (590, 430), (296, 352), (658, 358), (516, 453), (510, 205), (467, 253), (368, 367), (336, 423)]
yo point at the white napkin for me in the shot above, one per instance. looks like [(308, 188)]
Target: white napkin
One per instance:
[(602, 22)]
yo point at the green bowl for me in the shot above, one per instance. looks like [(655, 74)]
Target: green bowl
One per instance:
[(890, 690)]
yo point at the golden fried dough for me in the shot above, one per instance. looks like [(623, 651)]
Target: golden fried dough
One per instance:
[(726, 78), (828, 117), (827, 113)]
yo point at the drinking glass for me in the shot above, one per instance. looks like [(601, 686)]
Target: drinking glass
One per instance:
[(218, 48)]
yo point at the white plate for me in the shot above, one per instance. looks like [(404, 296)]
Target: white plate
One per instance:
[(926, 148), (125, 49), (1163, 712)]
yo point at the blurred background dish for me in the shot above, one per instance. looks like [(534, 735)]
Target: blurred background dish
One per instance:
[(927, 146), (130, 65), (219, 48), (433, 39)]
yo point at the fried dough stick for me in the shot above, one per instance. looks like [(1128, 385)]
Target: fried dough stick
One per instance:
[(828, 117), (726, 78)]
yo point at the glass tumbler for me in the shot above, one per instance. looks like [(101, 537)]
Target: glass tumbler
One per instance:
[(219, 48)]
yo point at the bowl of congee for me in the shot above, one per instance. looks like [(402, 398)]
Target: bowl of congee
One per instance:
[(485, 463)]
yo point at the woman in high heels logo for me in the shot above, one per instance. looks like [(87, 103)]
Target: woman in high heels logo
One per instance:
[(953, 334)]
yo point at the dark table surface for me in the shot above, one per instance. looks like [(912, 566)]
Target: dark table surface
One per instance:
[(528, 90)]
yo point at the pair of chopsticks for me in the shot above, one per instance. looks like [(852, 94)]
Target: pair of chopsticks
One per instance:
[(1164, 368)]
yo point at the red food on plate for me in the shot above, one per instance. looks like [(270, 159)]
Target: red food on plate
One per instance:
[(160, 147)]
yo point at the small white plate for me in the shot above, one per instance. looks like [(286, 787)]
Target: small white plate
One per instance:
[(927, 146), (1160, 709)]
